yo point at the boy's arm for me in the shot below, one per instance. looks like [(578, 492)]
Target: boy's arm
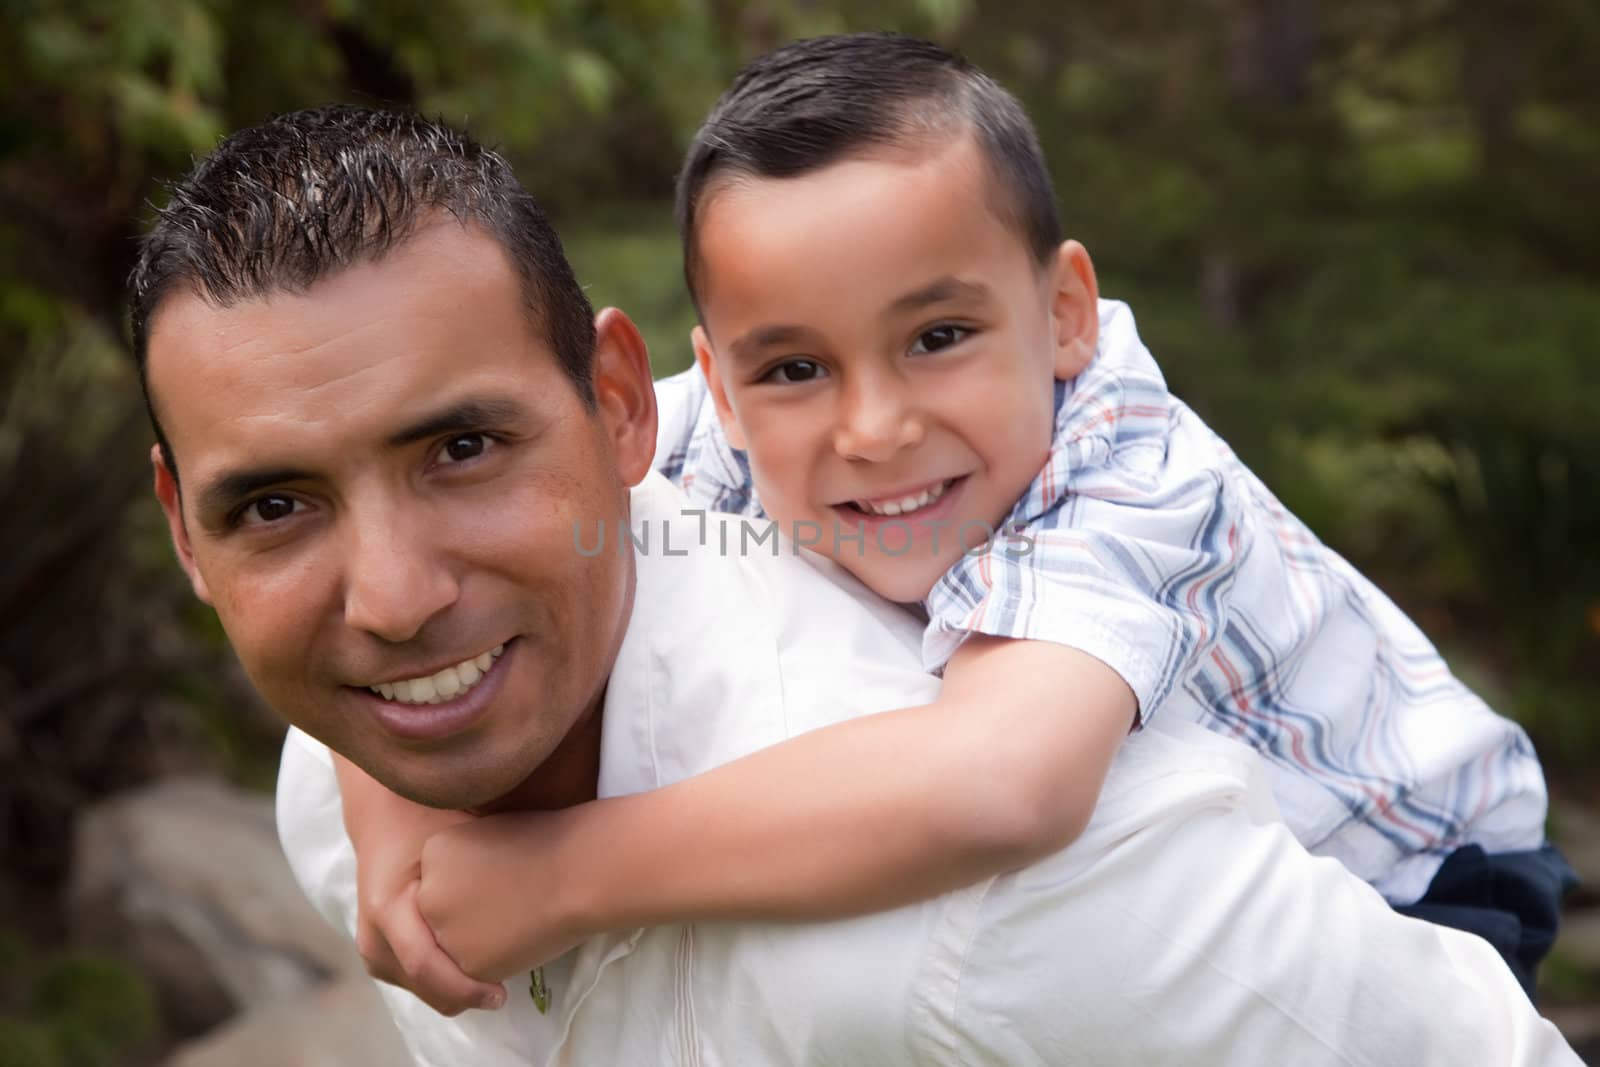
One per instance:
[(1005, 767), (388, 833)]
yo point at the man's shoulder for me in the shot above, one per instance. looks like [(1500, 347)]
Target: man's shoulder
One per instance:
[(739, 640), (688, 553)]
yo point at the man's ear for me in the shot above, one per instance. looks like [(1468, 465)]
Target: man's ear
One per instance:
[(625, 393), (1074, 309), (172, 505), (707, 358)]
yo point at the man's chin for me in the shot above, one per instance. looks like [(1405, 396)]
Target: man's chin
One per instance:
[(463, 791), (429, 795), (491, 770)]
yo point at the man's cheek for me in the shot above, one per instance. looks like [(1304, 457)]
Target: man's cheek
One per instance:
[(260, 630), (241, 616)]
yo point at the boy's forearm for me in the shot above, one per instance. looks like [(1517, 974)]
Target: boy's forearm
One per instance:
[(748, 840), (385, 828), (364, 800), (868, 814)]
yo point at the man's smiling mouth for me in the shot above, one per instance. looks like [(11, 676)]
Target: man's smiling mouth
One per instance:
[(446, 684)]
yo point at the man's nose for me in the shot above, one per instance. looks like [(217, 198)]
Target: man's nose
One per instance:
[(398, 577), (878, 419)]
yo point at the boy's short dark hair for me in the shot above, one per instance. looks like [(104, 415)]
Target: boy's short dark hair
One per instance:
[(278, 206), (817, 101)]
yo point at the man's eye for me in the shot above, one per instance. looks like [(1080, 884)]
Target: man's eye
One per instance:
[(794, 372), (268, 509), (938, 337), (463, 447)]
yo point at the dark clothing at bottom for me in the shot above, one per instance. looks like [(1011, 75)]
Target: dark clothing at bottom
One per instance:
[(1510, 899)]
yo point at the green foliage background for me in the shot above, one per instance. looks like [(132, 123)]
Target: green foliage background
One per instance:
[(1361, 237)]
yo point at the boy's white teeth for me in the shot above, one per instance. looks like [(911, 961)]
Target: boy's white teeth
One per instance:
[(443, 685), (901, 505)]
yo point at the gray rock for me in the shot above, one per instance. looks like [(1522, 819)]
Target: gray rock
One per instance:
[(186, 879), (341, 1024)]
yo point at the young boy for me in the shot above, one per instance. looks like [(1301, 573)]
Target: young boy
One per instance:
[(903, 364)]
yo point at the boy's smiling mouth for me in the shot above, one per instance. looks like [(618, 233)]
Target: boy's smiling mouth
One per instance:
[(906, 504)]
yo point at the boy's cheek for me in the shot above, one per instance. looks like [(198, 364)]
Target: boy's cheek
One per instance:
[(775, 463)]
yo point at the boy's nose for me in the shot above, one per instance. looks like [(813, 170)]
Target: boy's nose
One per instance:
[(876, 424), (396, 579)]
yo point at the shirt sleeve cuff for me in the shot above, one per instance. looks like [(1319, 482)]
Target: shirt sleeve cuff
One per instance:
[(1132, 664)]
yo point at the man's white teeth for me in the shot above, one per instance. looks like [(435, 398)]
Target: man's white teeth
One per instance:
[(446, 684), (906, 503)]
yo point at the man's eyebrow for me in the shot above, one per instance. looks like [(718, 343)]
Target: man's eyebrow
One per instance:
[(947, 288), (219, 495), (474, 413), (225, 491)]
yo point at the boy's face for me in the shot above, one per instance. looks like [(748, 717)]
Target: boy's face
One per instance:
[(884, 348)]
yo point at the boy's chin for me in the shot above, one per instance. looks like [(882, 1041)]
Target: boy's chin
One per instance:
[(899, 580)]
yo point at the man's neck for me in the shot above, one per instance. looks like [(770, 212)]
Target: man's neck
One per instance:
[(570, 775)]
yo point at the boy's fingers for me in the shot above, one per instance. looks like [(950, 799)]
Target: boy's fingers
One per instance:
[(380, 960), (429, 972)]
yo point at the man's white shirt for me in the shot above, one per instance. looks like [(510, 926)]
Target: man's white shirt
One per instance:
[(1185, 926)]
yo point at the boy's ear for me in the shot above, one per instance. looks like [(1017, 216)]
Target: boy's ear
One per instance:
[(172, 506), (707, 358), (625, 393), (1074, 309)]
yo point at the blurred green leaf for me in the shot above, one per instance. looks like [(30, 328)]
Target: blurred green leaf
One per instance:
[(101, 1008), (27, 1044)]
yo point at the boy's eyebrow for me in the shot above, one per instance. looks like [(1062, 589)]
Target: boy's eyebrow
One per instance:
[(748, 345), (221, 493), (946, 288), (936, 292)]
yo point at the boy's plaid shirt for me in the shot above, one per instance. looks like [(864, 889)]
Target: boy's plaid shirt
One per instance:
[(1156, 551)]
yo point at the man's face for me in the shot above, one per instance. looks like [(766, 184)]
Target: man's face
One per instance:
[(381, 477), (885, 346)]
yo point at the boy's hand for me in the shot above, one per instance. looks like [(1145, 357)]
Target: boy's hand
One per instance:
[(394, 941), (489, 893)]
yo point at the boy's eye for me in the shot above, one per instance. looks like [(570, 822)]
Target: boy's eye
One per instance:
[(932, 340), (266, 510), (794, 372), (463, 447)]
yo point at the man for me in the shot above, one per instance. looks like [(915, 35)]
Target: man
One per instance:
[(389, 432)]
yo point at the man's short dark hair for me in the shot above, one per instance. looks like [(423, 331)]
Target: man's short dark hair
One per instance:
[(278, 206), (822, 100)]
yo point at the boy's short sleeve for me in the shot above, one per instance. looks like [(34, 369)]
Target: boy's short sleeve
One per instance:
[(1140, 584)]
